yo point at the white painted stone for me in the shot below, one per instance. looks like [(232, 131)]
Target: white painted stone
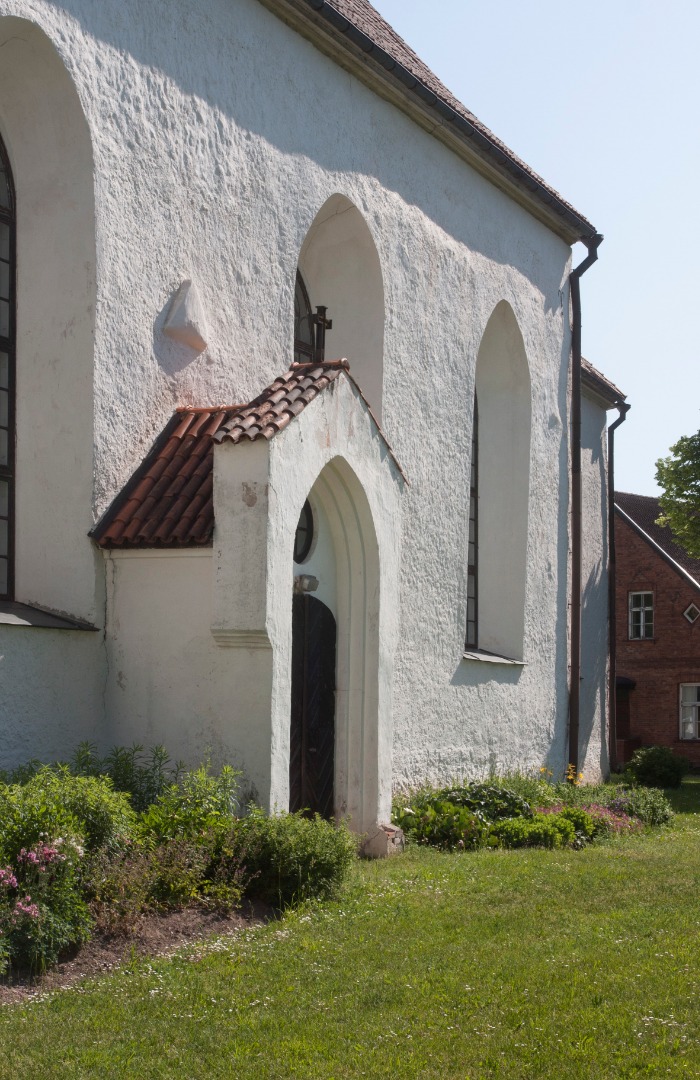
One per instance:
[(383, 841), (148, 150), (184, 322)]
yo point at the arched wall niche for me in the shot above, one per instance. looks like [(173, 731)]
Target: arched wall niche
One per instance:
[(340, 266), (341, 497), (48, 142), (505, 412)]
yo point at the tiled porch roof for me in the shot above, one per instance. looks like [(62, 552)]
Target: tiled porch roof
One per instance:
[(168, 501)]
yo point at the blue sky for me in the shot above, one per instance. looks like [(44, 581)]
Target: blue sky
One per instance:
[(603, 100)]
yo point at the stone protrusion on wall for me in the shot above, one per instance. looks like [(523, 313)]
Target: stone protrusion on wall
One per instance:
[(239, 603), (185, 319)]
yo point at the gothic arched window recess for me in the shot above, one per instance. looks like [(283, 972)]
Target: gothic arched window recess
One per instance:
[(303, 324), (472, 637), (7, 375)]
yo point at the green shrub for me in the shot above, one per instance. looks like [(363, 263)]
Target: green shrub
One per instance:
[(290, 858), (648, 804), (456, 818), (536, 790), (54, 803), (541, 830), (657, 766), (178, 868), (583, 823), (491, 802), (442, 823), (29, 817), (119, 886), (196, 805)]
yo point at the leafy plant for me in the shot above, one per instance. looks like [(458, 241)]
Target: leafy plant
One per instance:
[(541, 830), (679, 477), (43, 911), (143, 775), (456, 817), (490, 801), (118, 886), (657, 766), (583, 823), (442, 824), (196, 805), (178, 867), (649, 805), (291, 858), (55, 803)]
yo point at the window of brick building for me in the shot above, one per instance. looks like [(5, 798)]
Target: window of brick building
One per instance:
[(690, 710), (641, 615)]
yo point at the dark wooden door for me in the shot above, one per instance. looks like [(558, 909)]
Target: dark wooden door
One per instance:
[(312, 742)]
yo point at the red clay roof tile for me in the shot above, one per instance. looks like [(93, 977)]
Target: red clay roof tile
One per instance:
[(168, 500)]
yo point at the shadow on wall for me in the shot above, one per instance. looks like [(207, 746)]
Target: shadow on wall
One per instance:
[(594, 658), (48, 142), (292, 110), (341, 270)]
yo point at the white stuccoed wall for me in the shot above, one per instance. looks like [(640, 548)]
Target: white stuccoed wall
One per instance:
[(200, 641), (217, 134), (594, 582)]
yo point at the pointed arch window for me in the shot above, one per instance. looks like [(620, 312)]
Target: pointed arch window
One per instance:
[(472, 636), (7, 376), (303, 323)]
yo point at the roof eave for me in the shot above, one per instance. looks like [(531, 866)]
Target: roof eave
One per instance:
[(604, 394), (349, 47)]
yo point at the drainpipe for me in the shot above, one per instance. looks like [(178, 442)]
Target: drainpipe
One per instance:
[(623, 408), (575, 690)]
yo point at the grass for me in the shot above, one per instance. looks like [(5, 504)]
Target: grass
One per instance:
[(522, 964)]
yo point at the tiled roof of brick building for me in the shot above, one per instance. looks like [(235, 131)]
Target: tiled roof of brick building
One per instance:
[(643, 511), (359, 24), (168, 501)]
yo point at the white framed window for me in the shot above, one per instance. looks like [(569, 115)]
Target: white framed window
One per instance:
[(690, 710), (692, 613), (641, 615)]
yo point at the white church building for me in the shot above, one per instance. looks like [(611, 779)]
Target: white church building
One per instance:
[(290, 391)]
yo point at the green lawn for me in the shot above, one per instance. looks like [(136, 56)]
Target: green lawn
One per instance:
[(514, 964)]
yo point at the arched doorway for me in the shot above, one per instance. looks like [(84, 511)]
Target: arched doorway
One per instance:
[(335, 744), (312, 731)]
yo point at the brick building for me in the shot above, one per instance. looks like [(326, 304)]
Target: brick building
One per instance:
[(657, 633)]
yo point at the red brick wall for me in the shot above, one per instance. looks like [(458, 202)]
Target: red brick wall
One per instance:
[(671, 657)]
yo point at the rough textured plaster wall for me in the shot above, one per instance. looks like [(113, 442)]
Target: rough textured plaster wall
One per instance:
[(51, 692), (212, 165), (335, 439), (594, 582)]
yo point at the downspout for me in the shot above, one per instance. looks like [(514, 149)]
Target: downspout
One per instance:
[(623, 408), (575, 666)]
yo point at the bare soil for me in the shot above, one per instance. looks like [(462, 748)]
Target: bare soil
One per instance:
[(154, 935)]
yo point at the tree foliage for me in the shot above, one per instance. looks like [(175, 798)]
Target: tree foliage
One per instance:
[(679, 476)]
